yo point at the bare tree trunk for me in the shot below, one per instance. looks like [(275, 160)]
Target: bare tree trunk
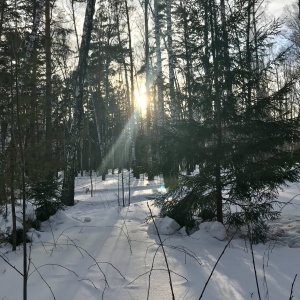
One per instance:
[(74, 24), (130, 57), (2, 7), (12, 154), (48, 104), (123, 60), (69, 175), (19, 89), (248, 55), (3, 162), (133, 148), (174, 107), (259, 90), (217, 101), (160, 84), (188, 63), (207, 67), (147, 94)]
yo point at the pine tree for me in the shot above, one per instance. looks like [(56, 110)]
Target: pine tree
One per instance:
[(241, 147)]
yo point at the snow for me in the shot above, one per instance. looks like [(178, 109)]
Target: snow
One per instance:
[(98, 250), (164, 225), (218, 231)]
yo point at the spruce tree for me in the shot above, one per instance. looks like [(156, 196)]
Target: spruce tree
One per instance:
[(237, 136)]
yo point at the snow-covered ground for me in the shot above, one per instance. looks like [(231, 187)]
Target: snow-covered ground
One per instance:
[(98, 250)]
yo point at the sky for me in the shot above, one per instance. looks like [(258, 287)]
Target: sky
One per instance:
[(276, 7)]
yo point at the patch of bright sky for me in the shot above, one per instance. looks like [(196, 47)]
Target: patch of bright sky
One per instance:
[(276, 7)]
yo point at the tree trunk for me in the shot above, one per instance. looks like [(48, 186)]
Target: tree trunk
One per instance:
[(160, 84), (48, 104), (12, 154), (147, 94), (248, 56), (2, 7), (69, 174), (174, 107), (134, 115), (19, 90), (188, 64), (217, 99)]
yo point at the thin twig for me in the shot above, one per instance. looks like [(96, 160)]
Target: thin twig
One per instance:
[(89, 281), (7, 261), (164, 253), (291, 295), (56, 265), (289, 202), (96, 263), (254, 267), (265, 281), (104, 262), (211, 273), (150, 272), (156, 270), (44, 280)]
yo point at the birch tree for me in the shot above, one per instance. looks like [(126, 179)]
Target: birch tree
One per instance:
[(69, 174)]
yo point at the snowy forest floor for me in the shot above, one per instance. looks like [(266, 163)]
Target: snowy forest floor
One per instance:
[(98, 250)]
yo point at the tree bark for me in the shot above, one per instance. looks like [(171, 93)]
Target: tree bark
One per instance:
[(147, 94), (188, 63), (174, 107), (48, 104), (19, 90), (134, 115), (2, 8), (160, 84), (217, 99), (69, 174)]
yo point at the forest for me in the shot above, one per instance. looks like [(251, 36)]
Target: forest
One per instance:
[(162, 88)]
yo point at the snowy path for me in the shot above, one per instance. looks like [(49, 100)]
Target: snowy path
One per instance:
[(96, 250)]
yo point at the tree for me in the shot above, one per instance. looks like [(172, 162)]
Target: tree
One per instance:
[(240, 146), (69, 174)]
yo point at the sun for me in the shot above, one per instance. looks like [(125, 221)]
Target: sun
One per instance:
[(140, 101)]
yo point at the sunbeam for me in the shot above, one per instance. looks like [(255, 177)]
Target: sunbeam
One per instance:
[(121, 151)]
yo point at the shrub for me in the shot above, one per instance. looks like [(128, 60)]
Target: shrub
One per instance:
[(19, 237), (46, 197)]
